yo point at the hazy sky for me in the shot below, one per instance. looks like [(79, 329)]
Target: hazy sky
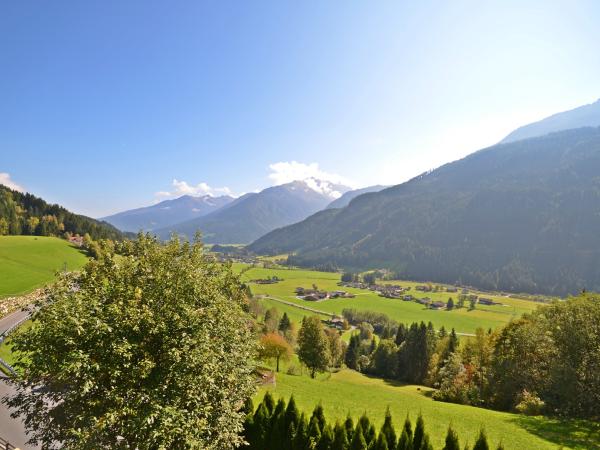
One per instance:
[(110, 105)]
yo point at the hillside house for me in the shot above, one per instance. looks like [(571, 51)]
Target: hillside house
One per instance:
[(488, 301), (437, 305), (424, 301), (423, 288)]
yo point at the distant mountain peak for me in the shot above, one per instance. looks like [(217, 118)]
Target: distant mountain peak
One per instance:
[(168, 212), (582, 116), (326, 188)]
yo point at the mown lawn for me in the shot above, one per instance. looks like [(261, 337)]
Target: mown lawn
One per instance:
[(348, 391), (462, 320), (29, 262)]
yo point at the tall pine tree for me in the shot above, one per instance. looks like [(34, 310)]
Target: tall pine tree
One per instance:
[(388, 430), (481, 443), (340, 438), (451, 440), (419, 433)]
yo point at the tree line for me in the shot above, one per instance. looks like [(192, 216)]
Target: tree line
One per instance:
[(280, 426), (547, 362), (26, 214)]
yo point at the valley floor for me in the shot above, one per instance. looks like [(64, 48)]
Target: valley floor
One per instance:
[(463, 320)]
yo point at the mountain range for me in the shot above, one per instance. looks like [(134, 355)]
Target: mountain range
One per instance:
[(522, 215), (254, 214), (167, 213)]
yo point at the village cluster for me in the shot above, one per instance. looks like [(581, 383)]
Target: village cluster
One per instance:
[(394, 291)]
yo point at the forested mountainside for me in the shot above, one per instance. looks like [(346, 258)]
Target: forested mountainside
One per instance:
[(351, 195), (254, 214), (583, 116), (521, 216), (24, 213), (167, 212)]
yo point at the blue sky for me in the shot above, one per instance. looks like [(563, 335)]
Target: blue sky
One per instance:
[(104, 104)]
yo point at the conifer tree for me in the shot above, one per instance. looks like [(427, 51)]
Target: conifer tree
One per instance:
[(451, 440), (371, 436), (388, 430), (284, 323), (314, 432), (277, 429), (300, 441), (381, 443), (500, 446), (326, 440), (481, 443), (425, 443), (408, 428), (452, 342), (358, 439), (404, 443), (352, 352), (364, 422), (401, 334), (292, 414), (340, 437), (419, 433), (288, 443), (269, 403), (259, 428), (319, 414), (349, 426)]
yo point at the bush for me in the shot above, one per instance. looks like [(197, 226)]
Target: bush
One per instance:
[(529, 404), (293, 369)]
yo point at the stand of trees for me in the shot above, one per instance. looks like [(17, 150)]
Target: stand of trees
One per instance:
[(26, 214), (545, 362), (280, 426)]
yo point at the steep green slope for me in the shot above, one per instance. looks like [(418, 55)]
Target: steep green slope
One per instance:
[(26, 214), (522, 216), (28, 262)]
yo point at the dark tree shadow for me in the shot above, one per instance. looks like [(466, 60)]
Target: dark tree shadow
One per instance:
[(573, 433)]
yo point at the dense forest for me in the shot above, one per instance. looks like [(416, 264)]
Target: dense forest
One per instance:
[(522, 216), (24, 213)]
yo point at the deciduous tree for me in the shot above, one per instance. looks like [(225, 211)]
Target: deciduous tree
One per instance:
[(150, 350)]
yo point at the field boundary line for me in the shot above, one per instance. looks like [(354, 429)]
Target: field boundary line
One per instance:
[(306, 308)]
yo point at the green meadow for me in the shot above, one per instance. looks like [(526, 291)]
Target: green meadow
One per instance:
[(463, 320), (29, 262), (348, 391)]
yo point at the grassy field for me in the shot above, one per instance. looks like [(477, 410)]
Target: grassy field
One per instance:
[(348, 391), (29, 262), (462, 320)]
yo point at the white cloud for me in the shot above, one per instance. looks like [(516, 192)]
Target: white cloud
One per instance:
[(183, 188), (6, 181)]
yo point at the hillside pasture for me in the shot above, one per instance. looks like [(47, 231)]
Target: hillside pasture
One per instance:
[(29, 262), (350, 392)]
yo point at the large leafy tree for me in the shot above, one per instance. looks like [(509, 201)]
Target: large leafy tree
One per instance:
[(313, 345), (149, 350), (274, 346)]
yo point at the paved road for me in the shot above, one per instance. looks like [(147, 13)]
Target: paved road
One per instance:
[(11, 429)]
